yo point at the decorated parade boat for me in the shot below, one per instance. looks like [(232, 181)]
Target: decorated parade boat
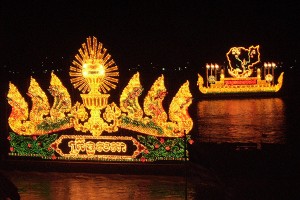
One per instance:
[(95, 128), (245, 74)]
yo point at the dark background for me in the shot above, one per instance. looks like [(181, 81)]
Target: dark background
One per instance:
[(40, 35), (166, 33)]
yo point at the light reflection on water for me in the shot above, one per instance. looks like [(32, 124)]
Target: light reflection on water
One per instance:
[(39, 186), (242, 121)]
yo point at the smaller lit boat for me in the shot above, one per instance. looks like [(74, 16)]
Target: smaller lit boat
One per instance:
[(246, 74)]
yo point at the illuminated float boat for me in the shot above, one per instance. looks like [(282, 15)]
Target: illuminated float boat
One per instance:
[(90, 129), (246, 74)]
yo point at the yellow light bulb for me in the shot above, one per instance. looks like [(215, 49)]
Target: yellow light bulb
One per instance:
[(84, 73), (273, 65), (101, 70)]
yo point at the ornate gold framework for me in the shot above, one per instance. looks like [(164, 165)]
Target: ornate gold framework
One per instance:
[(94, 73)]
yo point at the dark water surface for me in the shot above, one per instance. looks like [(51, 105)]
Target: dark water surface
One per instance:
[(243, 121), (252, 143), (51, 185)]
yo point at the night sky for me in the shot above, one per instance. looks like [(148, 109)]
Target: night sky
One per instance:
[(167, 33)]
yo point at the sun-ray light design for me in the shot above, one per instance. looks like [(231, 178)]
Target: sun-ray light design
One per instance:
[(93, 66)]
